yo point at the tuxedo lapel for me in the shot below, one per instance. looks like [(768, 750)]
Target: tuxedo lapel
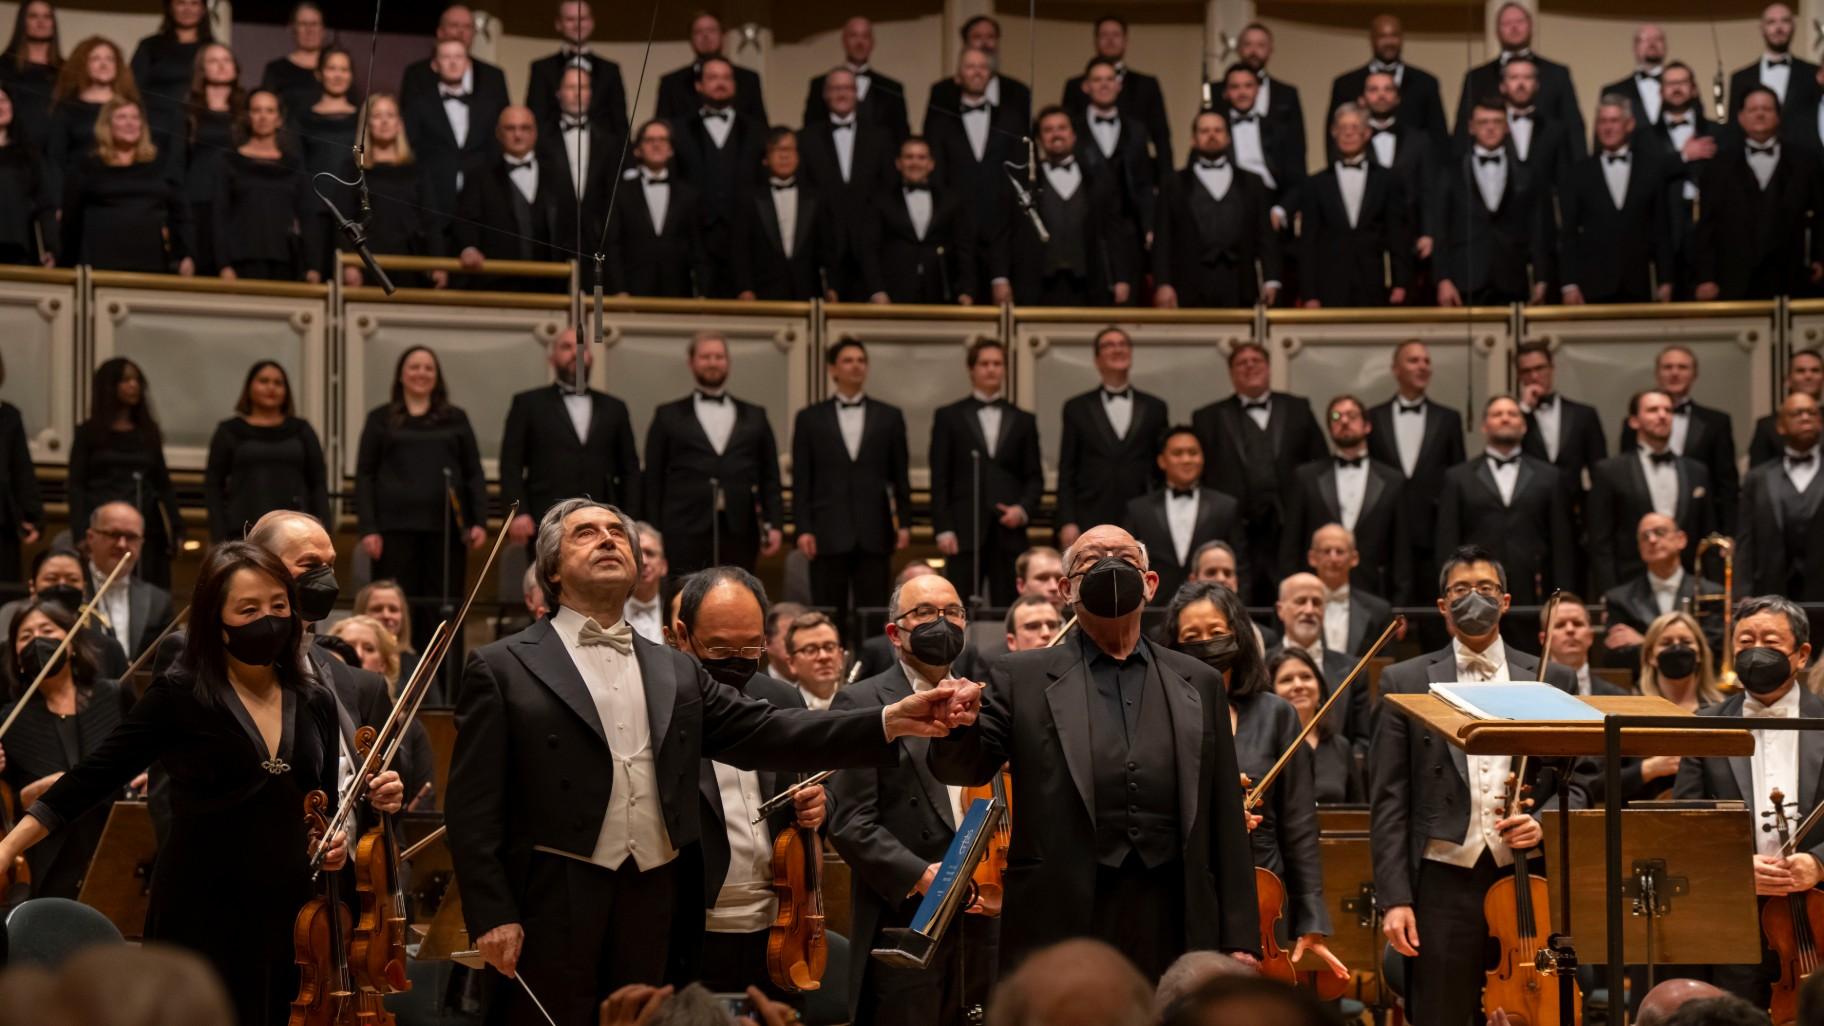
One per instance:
[(769, 220), (1358, 623), (1443, 670), (543, 653), (661, 686), (1333, 503), (1277, 415), (1487, 476), (1186, 707), (1068, 697), (807, 214), (916, 750)]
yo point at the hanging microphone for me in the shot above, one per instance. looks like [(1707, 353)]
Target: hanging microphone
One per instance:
[(1023, 193), (355, 234)]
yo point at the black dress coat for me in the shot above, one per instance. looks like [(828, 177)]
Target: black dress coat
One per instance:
[(542, 462), (607, 90), (1218, 519), (1616, 254), (678, 94), (1440, 449), (1140, 98), (1764, 555), (1381, 537), (672, 262), (884, 106), (1421, 100), (1619, 497), (680, 464), (1098, 473), (1012, 475), (761, 266), (1358, 262), (935, 269), (1496, 255), (1227, 269), (1556, 100), (1751, 241), (1582, 443), (434, 141), (1710, 440), (850, 505), (1531, 535)]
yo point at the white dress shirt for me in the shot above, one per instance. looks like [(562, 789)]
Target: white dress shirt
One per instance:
[(1105, 126), (1181, 517), (1506, 474), (581, 409), (1409, 432), (1615, 168), (1763, 162), (1259, 408), (993, 93), (1520, 127), (643, 617), (1215, 179), (989, 417), (1244, 142), (811, 701), (1662, 484), (1352, 182), (1646, 83), (1775, 77), (864, 77), (524, 176), (851, 418), (975, 126), (1585, 686), (1801, 474), (1681, 131), (1064, 178), (716, 418), (918, 211), (747, 901), (842, 133), (1487, 779), (1351, 491), (920, 685), (785, 208), (574, 133), (1545, 417), (1491, 179), (718, 126), (117, 606), (634, 824), (1665, 589), (1119, 409), (656, 187), (1385, 142), (1775, 763), (1336, 619), (457, 110)]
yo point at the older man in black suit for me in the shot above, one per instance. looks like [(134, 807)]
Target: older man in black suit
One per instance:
[(1804, 373), (1175, 521), (511, 206), (1702, 433), (1423, 438), (1756, 239), (712, 470), (678, 87), (1123, 770), (1662, 586), (134, 611), (882, 100), (1780, 544), (1358, 495), (1301, 611), (1355, 224), (1421, 99), (1353, 617), (655, 235), (986, 479), (607, 93), (1440, 832), (983, 32), (594, 874), (1140, 94), (1557, 96), (852, 498), (1250, 440), (1615, 234), (849, 159), (1652, 478), (1108, 434), (1514, 505)]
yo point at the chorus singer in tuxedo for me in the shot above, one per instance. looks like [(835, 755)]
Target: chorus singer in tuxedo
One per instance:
[(986, 479), (560, 442), (1109, 433)]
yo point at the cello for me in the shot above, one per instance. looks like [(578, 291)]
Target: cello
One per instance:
[(1519, 916), (797, 950), (326, 991), (1793, 925)]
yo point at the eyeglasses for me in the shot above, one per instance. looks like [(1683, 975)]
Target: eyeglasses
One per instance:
[(1486, 589), (724, 652), (120, 537), (827, 648), (926, 613), (1656, 533)]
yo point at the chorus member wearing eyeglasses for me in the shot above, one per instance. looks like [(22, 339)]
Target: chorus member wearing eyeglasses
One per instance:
[(119, 456), (263, 458), (244, 731)]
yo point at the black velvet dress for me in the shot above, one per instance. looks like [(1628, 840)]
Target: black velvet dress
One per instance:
[(260, 209), (254, 470), (28, 212), (234, 871), (127, 466), (210, 143), (42, 743), (127, 218)]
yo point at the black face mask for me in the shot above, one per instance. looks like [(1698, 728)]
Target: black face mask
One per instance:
[(937, 643), (317, 591), (1677, 662), (1111, 588), (1218, 652), (33, 658), (735, 671), (1475, 614), (1761, 669), (258, 642), (66, 595)]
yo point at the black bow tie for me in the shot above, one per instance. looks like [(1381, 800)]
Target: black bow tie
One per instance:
[(1682, 409), (1418, 407), (1256, 404), (1520, 115), (1062, 165), (1242, 119), (1213, 165), (782, 184), (844, 404), (916, 186), (1663, 458), (1124, 393), (570, 124), (1184, 493), (1345, 462), (983, 404), (1777, 62), (1765, 151), (1359, 164), (971, 108), (843, 126), (1389, 67), (720, 397), (1615, 158), (1545, 401), (1503, 461), (1494, 158), (518, 165), (658, 179), (720, 115), (1109, 120), (458, 97), (1800, 459), (1381, 129), (1653, 74), (1672, 122)]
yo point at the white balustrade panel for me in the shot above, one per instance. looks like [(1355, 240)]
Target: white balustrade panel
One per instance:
[(38, 332)]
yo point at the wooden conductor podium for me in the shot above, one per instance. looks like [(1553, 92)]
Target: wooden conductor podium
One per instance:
[(1701, 896)]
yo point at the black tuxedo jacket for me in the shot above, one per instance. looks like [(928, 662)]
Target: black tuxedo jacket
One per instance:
[(1631, 602), (1630, 88), (1140, 98), (1761, 542), (1732, 777), (678, 94), (982, 183), (721, 175), (889, 823), (1107, 238), (1532, 535), (1415, 166), (1549, 153), (1751, 241), (1441, 449), (1283, 148), (1016, 97), (1035, 715), (1218, 519), (607, 90), (1098, 473), (1710, 440), (1801, 103), (1135, 165), (486, 217), (761, 266), (870, 165), (714, 818), (850, 504), (1766, 443), (1369, 615), (1293, 435), (1581, 442), (1285, 107), (1503, 250), (935, 269), (1616, 254), (884, 106), (1418, 786), (1556, 101), (1228, 268), (680, 464), (1357, 261), (1421, 100), (555, 148), (525, 721), (434, 142), (1012, 475), (1380, 539), (542, 462), (642, 262), (1619, 498)]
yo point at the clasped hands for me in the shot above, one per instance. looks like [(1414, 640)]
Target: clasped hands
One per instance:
[(1775, 876), (953, 703)]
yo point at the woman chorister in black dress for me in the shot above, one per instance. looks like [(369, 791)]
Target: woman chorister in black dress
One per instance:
[(120, 212), (68, 717), (21, 509), (217, 105), (1300, 681), (1208, 621), (94, 75), (326, 132), (400, 222), (418, 481), (28, 217), (29, 67), (119, 455), (294, 75), (244, 732), (262, 198), (263, 459), (165, 62)]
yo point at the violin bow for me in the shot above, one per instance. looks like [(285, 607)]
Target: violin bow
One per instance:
[(1055, 638), (139, 660), (1545, 627), (1255, 796), (82, 617)]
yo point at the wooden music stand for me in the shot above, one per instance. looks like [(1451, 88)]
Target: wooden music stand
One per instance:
[(118, 882), (1701, 879), (1553, 739), (430, 874), (1355, 927), (440, 726)]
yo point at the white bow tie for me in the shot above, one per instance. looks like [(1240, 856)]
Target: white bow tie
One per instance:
[(1755, 710), (1476, 662), (619, 637)]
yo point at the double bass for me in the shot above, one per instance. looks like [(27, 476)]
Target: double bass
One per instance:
[(1519, 917), (1793, 926)]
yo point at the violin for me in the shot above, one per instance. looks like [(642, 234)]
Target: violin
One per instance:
[(797, 951), (326, 991), (989, 872), (377, 950), (16, 879), (1518, 911), (1793, 927)]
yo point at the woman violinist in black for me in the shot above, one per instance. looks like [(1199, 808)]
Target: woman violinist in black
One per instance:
[(68, 717), (244, 732)]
